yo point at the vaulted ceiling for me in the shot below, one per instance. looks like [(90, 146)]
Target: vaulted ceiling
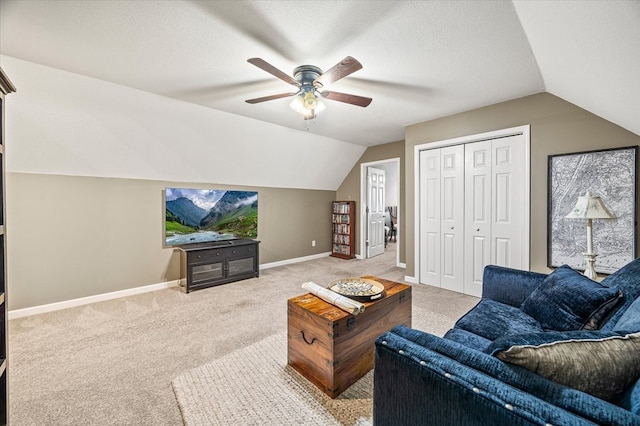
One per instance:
[(421, 59)]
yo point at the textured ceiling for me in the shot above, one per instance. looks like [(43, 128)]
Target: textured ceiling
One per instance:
[(421, 59)]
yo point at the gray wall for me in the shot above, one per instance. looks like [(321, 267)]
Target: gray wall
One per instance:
[(350, 188), (557, 127), (74, 236), (87, 162)]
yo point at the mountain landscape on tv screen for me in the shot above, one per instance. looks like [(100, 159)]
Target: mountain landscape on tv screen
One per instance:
[(204, 215)]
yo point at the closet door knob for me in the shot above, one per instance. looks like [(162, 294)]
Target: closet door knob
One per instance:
[(477, 229)]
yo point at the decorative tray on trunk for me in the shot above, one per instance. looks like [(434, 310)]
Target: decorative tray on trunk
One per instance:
[(360, 289)]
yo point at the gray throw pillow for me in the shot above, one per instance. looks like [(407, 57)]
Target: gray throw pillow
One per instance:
[(604, 364)]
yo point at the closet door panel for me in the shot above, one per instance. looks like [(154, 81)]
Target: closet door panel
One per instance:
[(502, 249), (432, 261), (430, 207), (478, 206), (452, 217), (481, 254), (508, 199)]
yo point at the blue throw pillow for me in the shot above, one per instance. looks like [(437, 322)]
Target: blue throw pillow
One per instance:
[(630, 319), (567, 300), (601, 363)]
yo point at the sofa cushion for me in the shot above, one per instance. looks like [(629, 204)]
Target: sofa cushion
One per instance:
[(627, 280), (540, 389), (601, 363), (630, 399), (630, 319), (468, 339), (567, 300), (491, 319)]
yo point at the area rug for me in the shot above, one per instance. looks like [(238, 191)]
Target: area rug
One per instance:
[(254, 385)]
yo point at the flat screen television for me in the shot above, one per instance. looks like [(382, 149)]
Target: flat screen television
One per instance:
[(196, 216)]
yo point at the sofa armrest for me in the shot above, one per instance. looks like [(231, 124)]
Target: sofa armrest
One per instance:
[(424, 379), (509, 286)]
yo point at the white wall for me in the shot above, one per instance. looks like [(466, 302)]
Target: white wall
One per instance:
[(87, 162), (391, 183), (68, 124)]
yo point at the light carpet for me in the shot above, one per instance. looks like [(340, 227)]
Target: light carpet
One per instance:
[(112, 362), (254, 385)]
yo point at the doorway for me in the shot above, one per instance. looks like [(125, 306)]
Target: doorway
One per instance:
[(391, 169)]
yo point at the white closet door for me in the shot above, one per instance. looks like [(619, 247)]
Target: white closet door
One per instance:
[(472, 214), (478, 201), (452, 218), (508, 201), (430, 217)]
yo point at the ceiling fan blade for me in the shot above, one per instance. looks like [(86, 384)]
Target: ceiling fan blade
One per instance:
[(269, 98), (346, 98), (264, 65), (342, 69)]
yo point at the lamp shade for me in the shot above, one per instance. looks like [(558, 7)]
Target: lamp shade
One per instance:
[(590, 207)]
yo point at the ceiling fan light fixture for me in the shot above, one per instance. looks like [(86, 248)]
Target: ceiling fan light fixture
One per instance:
[(297, 104), (307, 104), (309, 114), (320, 106), (309, 79), (310, 100)]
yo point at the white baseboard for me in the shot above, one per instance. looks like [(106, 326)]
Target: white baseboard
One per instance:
[(295, 260), (411, 280), (19, 313)]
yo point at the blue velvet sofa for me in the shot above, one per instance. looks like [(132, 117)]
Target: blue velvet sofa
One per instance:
[(538, 349)]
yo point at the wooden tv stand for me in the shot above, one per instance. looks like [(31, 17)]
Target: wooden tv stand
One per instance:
[(221, 262)]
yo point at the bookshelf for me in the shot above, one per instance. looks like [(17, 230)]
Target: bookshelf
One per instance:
[(6, 87), (343, 225)]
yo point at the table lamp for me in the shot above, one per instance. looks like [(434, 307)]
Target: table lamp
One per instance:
[(588, 208)]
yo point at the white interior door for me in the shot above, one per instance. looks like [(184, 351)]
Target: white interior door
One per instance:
[(452, 217), (477, 214), (508, 198), (430, 208), (494, 203), (442, 217), (375, 211)]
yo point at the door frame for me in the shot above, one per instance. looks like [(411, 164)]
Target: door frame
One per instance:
[(496, 134), (363, 204)]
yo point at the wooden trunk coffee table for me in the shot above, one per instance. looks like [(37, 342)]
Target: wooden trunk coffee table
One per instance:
[(333, 348)]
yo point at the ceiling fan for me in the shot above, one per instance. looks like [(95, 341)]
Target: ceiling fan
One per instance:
[(310, 80)]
